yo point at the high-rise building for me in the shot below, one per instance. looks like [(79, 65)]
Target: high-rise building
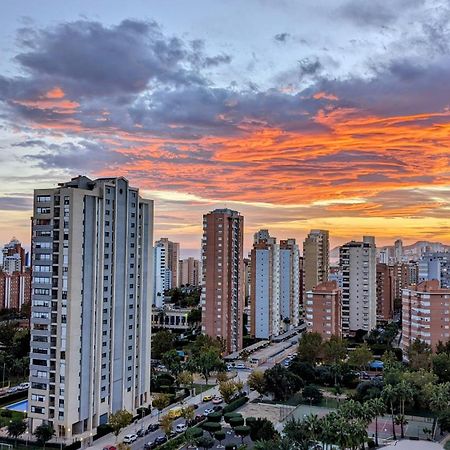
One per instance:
[(316, 258), (189, 272), (289, 283), (398, 251), (425, 314), (323, 309), (91, 304), (385, 293), (15, 277), (162, 274), (172, 257), (435, 266), (223, 277), (359, 298), (265, 286)]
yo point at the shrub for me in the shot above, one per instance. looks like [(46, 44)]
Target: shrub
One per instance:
[(235, 404), (103, 430), (215, 417), (236, 421), (250, 421), (230, 415)]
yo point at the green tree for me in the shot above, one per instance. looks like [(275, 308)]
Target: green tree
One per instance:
[(262, 430), (376, 407), (310, 347), (390, 396), (165, 423), (207, 362), (194, 316), (312, 394), (120, 420), (211, 427), (172, 361), (205, 442), (162, 342), (204, 342), (220, 436), (160, 401), (281, 383), (440, 364), (438, 398), (16, 428), (405, 393), (188, 413), (43, 433), (419, 355), (185, 379), (360, 357), (257, 381), (242, 431), (227, 390)]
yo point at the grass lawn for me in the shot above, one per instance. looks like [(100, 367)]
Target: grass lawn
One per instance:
[(200, 388), (7, 416)]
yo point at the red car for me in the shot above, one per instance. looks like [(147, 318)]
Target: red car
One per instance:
[(109, 447)]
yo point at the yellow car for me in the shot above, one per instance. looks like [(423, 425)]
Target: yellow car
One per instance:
[(207, 398)]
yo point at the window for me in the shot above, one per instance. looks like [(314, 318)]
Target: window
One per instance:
[(43, 198), (43, 245), (41, 291), (43, 210)]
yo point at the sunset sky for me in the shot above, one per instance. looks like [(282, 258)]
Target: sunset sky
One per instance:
[(303, 114)]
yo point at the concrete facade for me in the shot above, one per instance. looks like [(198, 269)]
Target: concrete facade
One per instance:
[(359, 300), (91, 303), (222, 296)]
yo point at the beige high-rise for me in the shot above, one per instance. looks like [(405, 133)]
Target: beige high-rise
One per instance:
[(189, 272), (172, 256), (223, 277), (91, 304), (316, 259)]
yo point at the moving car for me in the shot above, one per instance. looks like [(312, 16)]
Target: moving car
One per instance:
[(207, 398), (129, 438), (240, 366), (152, 427)]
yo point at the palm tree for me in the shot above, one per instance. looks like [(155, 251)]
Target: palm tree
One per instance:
[(390, 396), (404, 392), (313, 424), (378, 408)]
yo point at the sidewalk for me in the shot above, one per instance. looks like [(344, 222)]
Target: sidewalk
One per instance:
[(109, 439)]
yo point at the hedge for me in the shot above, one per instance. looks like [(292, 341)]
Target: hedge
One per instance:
[(236, 421), (230, 415), (235, 404), (214, 417)]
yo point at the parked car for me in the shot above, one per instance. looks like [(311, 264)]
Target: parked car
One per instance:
[(140, 433), (160, 440), (153, 427), (240, 366), (23, 386), (217, 408), (109, 447), (207, 398), (217, 400), (12, 389), (181, 428), (208, 411), (129, 438)]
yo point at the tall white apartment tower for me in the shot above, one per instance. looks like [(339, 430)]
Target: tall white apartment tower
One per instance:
[(265, 286), (91, 304), (359, 297), (163, 279), (289, 283)]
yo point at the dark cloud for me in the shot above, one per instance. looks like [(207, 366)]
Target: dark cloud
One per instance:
[(15, 203), (282, 37), (87, 58), (83, 155)]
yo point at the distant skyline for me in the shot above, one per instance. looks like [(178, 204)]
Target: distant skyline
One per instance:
[(329, 114)]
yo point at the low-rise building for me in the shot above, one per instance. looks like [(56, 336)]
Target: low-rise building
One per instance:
[(323, 309)]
